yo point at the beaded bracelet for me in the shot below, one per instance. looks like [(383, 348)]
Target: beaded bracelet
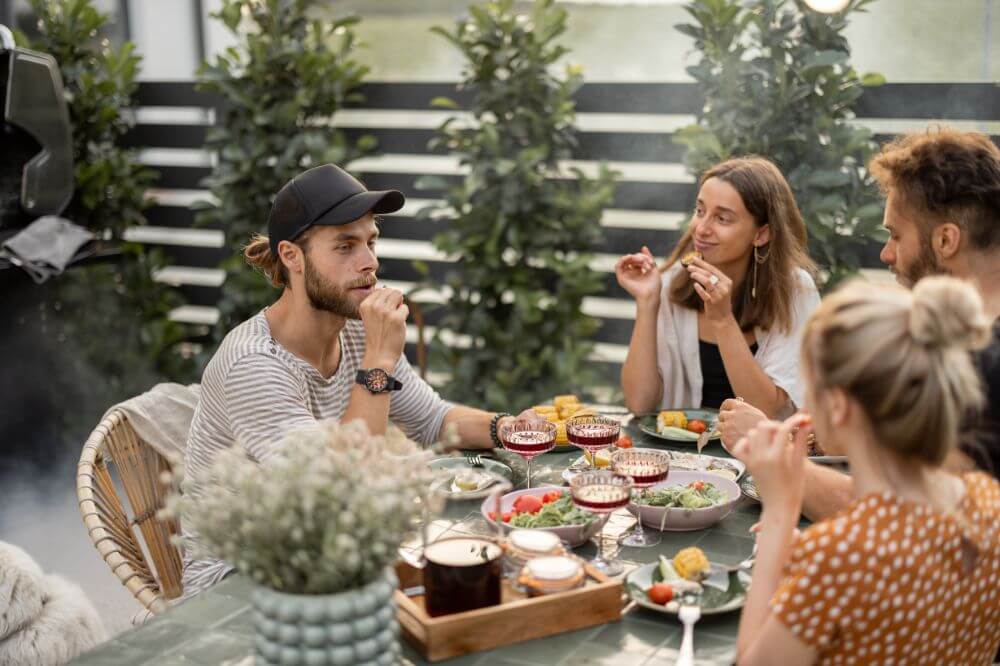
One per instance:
[(493, 429)]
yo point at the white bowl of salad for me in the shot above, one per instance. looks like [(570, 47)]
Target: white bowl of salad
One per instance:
[(547, 508), (686, 501)]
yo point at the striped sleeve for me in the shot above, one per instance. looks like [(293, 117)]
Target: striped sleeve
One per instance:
[(416, 409), (265, 400)]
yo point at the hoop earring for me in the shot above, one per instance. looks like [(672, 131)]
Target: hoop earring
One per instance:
[(758, 259)]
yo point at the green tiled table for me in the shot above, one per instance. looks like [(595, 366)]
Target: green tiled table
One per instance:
[(216, 627)]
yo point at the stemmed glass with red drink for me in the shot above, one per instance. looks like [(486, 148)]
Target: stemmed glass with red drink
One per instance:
[(529, 439), (646, 467), (592, 433), (602, 492)]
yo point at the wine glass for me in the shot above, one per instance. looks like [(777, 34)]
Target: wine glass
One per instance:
[(645, 467), (529, 439), (592, 433), (601, 492)]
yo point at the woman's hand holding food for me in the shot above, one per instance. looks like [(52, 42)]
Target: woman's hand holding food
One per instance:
[(715, 289)]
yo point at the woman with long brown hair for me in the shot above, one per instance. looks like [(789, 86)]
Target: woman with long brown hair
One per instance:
[(724, 316)]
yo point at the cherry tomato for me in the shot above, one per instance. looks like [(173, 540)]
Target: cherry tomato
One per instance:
[(551, 496), (697, 426), (624, 442), (508, 515), (697, 485), (491, 515), (528, 504), (660, 593)]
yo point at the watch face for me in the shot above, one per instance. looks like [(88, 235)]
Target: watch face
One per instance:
[(377, 380)]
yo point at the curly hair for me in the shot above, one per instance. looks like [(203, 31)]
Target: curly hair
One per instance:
[(944, 175)]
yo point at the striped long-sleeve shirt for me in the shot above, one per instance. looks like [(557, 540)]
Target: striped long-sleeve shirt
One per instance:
[(254, 391)]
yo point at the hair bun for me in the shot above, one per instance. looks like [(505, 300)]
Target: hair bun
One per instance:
[(948, 312)]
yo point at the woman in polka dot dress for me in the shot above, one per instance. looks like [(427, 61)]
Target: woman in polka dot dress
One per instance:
[(909, 572)]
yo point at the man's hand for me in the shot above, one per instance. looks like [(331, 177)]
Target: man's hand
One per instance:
[(384, 315), (736, 418), (528, 415)]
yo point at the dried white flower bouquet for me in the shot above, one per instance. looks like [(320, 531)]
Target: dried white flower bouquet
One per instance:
[(325, 516)]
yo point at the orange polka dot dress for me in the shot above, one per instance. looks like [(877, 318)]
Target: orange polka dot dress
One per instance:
[(885, 581)]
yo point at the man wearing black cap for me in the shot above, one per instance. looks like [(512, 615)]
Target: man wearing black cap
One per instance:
[(331, 346)]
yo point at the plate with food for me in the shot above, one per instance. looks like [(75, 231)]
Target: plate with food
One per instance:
[(547, 508), (731, 468), (680, 425), (468, 482), (686, 501), (562, 408), (662, 585)]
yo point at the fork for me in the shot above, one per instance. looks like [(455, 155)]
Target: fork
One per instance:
[(703, 437), (474, 459), (690, 612)]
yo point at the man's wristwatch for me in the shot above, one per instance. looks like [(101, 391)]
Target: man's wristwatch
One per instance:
[(378, 380)]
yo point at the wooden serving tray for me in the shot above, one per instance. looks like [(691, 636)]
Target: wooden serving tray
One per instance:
[(517, 618)]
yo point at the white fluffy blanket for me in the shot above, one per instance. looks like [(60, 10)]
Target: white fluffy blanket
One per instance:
[(45, 620)]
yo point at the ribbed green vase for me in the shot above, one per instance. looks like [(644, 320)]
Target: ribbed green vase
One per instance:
[(354, 627)]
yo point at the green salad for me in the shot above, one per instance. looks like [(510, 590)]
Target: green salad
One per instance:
[(695, 495), (554, 514)]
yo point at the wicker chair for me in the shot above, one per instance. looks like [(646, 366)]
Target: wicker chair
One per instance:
[(139, 469)]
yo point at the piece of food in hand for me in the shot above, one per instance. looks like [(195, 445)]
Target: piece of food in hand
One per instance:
[(694, 425), (689, 258), (624, 442), (544, 410), (691, 563), (602, 459), (468, 480), (528, 504), (660, 593), (670, 419), (561, 400)]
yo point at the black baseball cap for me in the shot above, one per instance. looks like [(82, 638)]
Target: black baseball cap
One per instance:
[(324, 195)]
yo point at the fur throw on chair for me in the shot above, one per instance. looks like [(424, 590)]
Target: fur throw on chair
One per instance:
[(45, 620)]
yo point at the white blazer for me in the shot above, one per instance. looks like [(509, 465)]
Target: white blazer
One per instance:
[(679, 361)]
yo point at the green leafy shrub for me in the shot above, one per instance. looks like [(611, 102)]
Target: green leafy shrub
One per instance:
[(280, 85), (519, 237)]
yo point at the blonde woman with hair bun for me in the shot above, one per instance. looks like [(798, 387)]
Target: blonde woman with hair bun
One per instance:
[(909, 571)]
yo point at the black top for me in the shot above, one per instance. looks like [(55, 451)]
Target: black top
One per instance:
[(717, 388), (981, 441)]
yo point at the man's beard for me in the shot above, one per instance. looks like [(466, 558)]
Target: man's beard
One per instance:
[(925, 264), (328, 297)]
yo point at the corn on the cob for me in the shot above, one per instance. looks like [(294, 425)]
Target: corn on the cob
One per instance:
[(668, 419), (691, 563)]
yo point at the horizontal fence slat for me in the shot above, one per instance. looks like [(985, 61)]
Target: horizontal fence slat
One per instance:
[(954, 101), (950, 101), (165, 136), (181, 177), (174, 93)]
